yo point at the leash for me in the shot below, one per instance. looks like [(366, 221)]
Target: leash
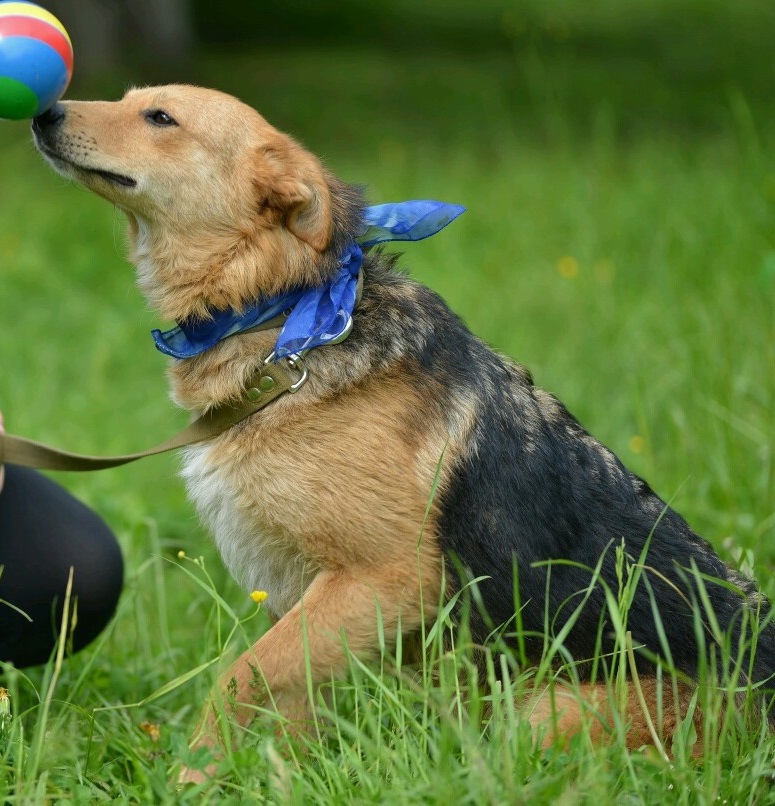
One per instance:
[(264, 386), (275, 377)]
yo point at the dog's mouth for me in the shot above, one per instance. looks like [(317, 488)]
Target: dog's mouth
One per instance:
[(68, 166), (109, 176)]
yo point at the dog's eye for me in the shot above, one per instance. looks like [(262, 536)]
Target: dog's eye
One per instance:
[(160, 118)]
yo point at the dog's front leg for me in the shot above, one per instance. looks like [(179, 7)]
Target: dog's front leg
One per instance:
[(345, 601)]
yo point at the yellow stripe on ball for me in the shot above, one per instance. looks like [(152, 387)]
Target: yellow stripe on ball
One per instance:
[(30, 10)]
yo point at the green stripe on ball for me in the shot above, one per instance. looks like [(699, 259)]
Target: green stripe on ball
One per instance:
[(17, 101)]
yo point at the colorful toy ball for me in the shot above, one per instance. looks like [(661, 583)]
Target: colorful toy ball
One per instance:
[(36, 60)]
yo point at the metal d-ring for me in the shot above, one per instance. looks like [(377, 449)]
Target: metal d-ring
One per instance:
[(296, 362)]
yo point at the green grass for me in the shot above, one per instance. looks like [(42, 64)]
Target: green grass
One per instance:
[(630, 263)]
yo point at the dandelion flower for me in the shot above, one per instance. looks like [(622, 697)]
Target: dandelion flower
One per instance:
[(5, 709), (259, 596), (152, 729), (568, 267)]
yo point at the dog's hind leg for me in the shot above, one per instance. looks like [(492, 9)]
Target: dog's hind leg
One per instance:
[(651, 712), (306, 647)]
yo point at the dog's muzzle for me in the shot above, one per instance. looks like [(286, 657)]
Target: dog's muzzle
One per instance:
[(47, 131)]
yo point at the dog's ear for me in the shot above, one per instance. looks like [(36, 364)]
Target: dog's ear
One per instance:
[(292, 181)]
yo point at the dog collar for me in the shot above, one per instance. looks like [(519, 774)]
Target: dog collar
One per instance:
[(310, 318)]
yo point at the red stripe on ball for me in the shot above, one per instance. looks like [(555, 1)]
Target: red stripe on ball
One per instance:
[(38, 29)]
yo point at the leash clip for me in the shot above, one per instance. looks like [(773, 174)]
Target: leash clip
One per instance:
[(295, 362)]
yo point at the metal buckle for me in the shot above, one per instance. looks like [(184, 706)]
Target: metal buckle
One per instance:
[(295, 362)]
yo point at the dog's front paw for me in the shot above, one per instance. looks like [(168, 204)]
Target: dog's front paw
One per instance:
[(190, 775), (198, 762)]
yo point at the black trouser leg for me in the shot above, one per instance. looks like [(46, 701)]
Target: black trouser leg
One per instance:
[(44, 532)]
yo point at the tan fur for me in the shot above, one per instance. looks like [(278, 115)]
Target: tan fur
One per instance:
[(322, 498), (230, 175), (286, 472), (561, 713)]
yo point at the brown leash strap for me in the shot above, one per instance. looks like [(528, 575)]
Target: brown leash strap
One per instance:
[(266, 385)]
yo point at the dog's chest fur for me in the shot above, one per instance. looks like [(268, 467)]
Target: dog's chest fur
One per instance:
[(302, 488), (259, 554)]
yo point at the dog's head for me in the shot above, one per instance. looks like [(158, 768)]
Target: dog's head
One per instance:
[(222, 206)]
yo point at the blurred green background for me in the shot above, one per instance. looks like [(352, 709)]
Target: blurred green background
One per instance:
[(641, 63), (616, 159)]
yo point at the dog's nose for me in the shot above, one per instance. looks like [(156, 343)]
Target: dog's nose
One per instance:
[(50, 118)]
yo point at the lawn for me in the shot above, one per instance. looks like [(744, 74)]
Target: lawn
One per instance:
[(618, 241)]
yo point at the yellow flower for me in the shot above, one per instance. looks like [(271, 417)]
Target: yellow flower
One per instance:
[(568, 267), (637, 443), (5, 710), (259, 596), (181, 555), (152, 729)]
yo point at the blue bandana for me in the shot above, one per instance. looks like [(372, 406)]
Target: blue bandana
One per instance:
[(317, 315)]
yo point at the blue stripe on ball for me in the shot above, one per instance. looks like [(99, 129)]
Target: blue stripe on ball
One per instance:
[(36, 65)]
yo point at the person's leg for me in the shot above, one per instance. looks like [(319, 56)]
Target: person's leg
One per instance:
[(44, 532)]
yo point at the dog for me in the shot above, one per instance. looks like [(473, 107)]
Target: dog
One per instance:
[(413, 458)]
